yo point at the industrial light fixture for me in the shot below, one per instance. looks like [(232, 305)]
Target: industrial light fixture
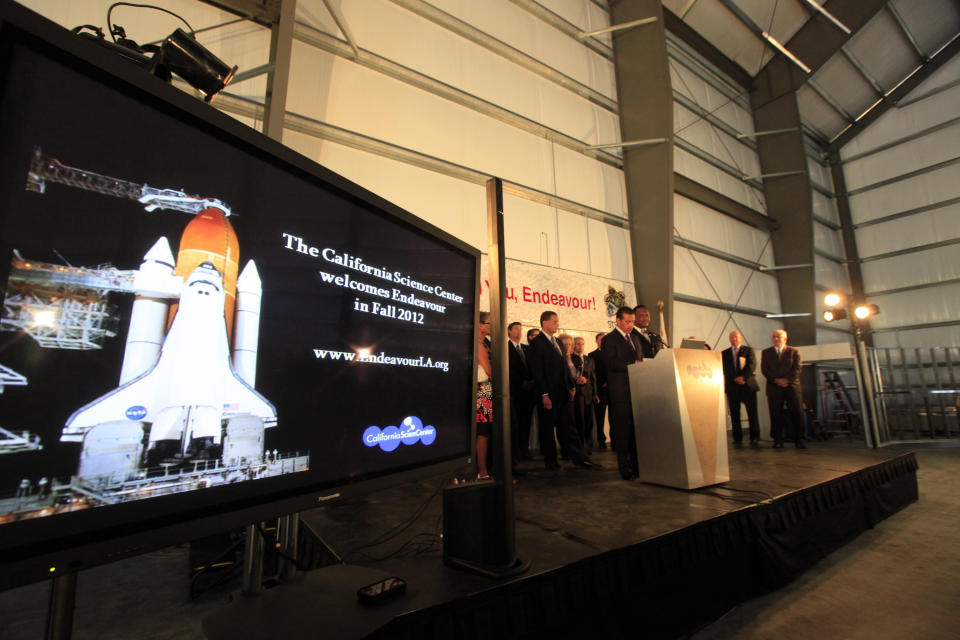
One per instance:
[(865, 311), (832, 299), (831, 315), (179, 54)]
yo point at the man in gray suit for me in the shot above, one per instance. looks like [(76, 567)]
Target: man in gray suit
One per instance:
[(781, 366)]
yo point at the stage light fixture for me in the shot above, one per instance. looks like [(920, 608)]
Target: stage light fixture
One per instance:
[(832, 299), (865, 311), (831, 315), (181, 54)]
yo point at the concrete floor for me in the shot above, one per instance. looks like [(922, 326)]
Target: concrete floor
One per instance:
[(899, 580)]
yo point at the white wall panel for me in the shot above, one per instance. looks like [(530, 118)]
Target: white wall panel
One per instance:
[(457, 207), (919, 337), (922, 190), (710, 176), (573, 242), (832, 336), (830, 274), (906, 157), (343, 94), (691, 85), (525, 32), (921, 306), (530, 231), (398, 35), (700, 223), (714, 141), (909, 269), (896, 123), (714, 325), (610, 253), (918, 229), (828, 240), (825, 207), (724, 279), (587, 16), (820, 174), (584, 180)]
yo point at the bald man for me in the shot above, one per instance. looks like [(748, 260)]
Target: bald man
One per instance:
[(781, 366)]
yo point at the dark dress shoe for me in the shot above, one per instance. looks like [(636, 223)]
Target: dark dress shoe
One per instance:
[(586, 464), (754, 443), (629, 477), (602, 445), (778, 445), (801, 445)]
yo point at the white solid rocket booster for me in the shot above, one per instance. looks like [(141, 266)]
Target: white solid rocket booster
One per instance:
[(149, 315), (246, 328)]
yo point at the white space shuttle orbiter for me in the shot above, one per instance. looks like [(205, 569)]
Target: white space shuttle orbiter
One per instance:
[(183, 386)]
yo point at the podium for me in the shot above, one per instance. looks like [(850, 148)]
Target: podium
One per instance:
[(679, 418)]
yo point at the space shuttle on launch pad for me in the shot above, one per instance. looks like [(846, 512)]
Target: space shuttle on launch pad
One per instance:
[(185, 413)]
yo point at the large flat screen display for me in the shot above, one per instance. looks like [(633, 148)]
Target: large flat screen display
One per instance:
[(196, 320)]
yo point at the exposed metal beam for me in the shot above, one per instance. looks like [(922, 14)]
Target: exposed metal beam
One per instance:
[(562, 25), (618, 27), (716, 304), (906, 32), (905, 176), (263, 12), (467, 31), (928, 94), (814, 43), (727, 168), (700, 66), (829, 256), (716, 253), (698, 43), (847, 235), (321, 130), (827, 223), (915, 327), (706, 196), (703, 114), (836, 106), (341, 23), (908, 213), (924, 285), (899, 141), (862, 71), (278, 78), (909, 84), (921, 247), (326, 42)]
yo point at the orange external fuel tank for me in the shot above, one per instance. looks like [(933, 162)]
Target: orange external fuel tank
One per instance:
[(210, 237)]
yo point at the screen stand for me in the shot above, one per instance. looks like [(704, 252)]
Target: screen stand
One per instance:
[(63, 593), (252, 581)]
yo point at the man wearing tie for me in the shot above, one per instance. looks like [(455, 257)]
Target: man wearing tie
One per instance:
[(650, 342), (522, 400), (548, 366), (781, 366), (620, 348), (740, 385), (600, 406), (586, 395)]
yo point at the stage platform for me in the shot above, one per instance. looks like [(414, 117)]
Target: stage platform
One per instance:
[(608, 557)]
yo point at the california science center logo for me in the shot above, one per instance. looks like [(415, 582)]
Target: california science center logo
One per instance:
[(410, 431)]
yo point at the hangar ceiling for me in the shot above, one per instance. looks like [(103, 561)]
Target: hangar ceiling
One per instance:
[(895, 43)]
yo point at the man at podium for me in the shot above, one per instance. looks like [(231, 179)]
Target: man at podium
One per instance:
[(619, 348)]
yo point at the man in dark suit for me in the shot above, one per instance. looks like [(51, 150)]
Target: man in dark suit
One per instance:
[(548, 367), (781, 366), (522, 400), (650, 342), (600, 400), (740, 385), (620, 348), (586, 394)]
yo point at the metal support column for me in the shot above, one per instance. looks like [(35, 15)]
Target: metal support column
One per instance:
[(281, 49), (252, 579), (646, 113), (63, 595)]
